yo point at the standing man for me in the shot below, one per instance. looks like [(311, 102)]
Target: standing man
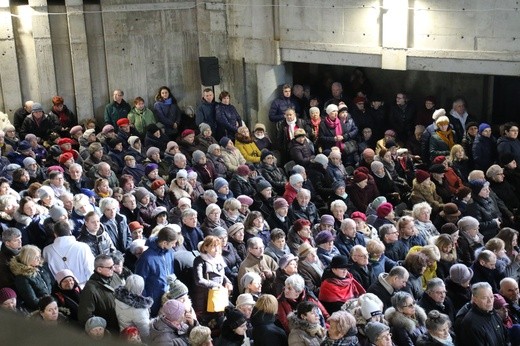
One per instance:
[(97, 298), (459, 117), (206, 111), (117, 109), (155, 266), (281, 104), (481, 325), (402, 117)]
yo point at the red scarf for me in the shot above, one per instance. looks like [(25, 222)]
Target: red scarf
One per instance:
[(316, 125), (336, 124)]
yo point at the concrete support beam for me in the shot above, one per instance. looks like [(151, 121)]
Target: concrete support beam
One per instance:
[(11, 93), (395, 34), (80, 61), (268, 79), (46, 68)]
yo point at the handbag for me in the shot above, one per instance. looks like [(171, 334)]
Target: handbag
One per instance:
[(351, 146), (218, 299)]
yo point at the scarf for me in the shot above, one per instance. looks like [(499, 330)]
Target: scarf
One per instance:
[(213, 260), (447, 137), (336, 124), (448, 341), (291, 127), (168, 101), (315, 123)]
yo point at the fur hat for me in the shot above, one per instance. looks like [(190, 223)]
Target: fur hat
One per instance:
[(286, 259), (219, 183), (280, 203), (197, 156), (204, 127), (376, 166), (88, 132), (327, 219), (173, 310), (295, 179), (462, 192), (384, 209), (234, 318), (373, 330), (442, 120), (6, 293), (63, 274), (95, 322), (171, 145), (421, 175), (323, 237), (460, 273), (238, 226), (438, 113), (140, 193), (322, 160), (449, 228), (182, 173), (339, 261), (245, 200), (93, 147)]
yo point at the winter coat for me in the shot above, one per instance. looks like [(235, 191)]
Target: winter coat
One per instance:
[(68, 299), (304, 333), (32, 228), (395, 251), (485, 211), (438, 147), (118, 231), (133, 310), (321, 179), (219, 165), (479, 328), (100, 243), (301, 154), (484, 274), (115, 111), (274, 175), (294, 241), (263, 205), (289, 193), (97, 299), (208, 273), (6, 276), (297, 212), (240, 186), (311, 276), (257, 265), (365, 276), (287, 306), (509, 145), (345, 244), (155, 265), (42, 129), (31, 283), (334, 291), (279, 106), (163, 333), (326, 135), (414, 285), (405, 330), (428, 304), (274, 222), (141, 119), (167, 114), (228, 120), (484, 151), (383, 290), (265, 332), (422, 193), (283, 137), (247, 148), (327, 256), (466, 248), (361, 198), (192, 237), (206, 114), (232, 159)]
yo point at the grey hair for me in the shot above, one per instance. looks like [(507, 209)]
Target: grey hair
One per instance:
[(479, 286), (103, 165), (66, 194), (434, 283), (210, 194), (436, 320), (399, 299), (384, 229), (416, 210), (76, 165), (137, 244), (338, 203), (304, 191), (6, 199), (231, 203), (251, 242), (135, 284), (188, 212), (347, 222), (296, 281), (106, 202), (211, 208), (178, 157), (10, 234), (101, 259), (192, 175)]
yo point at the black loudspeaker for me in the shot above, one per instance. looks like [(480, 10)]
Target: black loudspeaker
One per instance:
[(209, 71)]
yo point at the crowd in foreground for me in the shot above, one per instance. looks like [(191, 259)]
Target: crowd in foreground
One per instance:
[(353, 224)]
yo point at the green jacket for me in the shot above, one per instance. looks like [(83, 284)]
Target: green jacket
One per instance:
[(141, 119)]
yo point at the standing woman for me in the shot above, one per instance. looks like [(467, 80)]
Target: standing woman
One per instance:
[(32, 278), (209, 273), (228, 119), (332, 131), (167, 111)]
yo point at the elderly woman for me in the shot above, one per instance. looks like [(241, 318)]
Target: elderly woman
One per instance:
[(204, 169), (287, 266), (385, 185), (198, 189), (334, 132), (209, 272), (424, 190), (231, 155), (338, 285), (438, 326), (273, 174), (180, 187), (246, 145), (115, 223), (301, 150), (294, 293), (326, 248), (28, 220), (310, 267), (214, 154), (67, 292), (406, 319), (212, 219), (32, 278), (443, 139), (230, 212), (342, 330), (299, 234), (470, 239), (338, 209), (236, 238), (447, 249), (132, 308), (484, 208), (252, 284), (421, 213), (234, 329), (48, 312)]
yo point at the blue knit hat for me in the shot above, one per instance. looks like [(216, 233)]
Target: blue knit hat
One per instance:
[(482, 127)]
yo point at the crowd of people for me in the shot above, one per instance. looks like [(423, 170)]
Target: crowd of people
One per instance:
[(353, 223)]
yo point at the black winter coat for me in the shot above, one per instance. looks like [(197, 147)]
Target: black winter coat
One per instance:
[(301, 154), (479, 328), (365, 277), (321, 180), (310, 213), (484, 151), (241, 187), (118, 231), (275, 176), (428, 304), (265, 332), (31, 283), (485, 211), (99, 243)]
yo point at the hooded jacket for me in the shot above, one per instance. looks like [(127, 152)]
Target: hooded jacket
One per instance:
[(31, 283), (133, 310), (405, 330), (304, 333), (99, 243)]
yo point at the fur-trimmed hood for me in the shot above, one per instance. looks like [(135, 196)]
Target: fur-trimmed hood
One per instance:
[(18, 268), (399, 320), (4, 216), (133, 300), (424, 189), (314, 330)]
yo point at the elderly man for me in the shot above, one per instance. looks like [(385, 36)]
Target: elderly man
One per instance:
[(11, 245), (257, 262), (38, 123), (190, 230), (117, 109), (303, 208), (434, 298), (509, 290), (115, 223), (459, 117), (97, 298), (103, 170), (389, 283), (76, 179), (481, 325), (348, 237), (21, 113), (360, 268), (68, 253), (179, 162)]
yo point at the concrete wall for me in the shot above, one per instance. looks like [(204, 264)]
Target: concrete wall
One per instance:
[(83, 52)]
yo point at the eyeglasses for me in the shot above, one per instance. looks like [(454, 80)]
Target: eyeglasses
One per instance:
[(111, 267), (439, 292)]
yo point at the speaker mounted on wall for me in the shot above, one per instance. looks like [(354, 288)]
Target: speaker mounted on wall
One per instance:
[(209, 71)]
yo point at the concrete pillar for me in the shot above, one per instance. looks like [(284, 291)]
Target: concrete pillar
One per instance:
[(395, 34), (46, 69), (269, 77), (11, 93), (80, 61)]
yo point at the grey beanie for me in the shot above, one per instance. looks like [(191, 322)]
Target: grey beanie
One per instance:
[(177, 288), (203, 127), (322, 159), (197, 156), (376, 165), (295, 179), (262, 185), (56, 212), (298, 169), (95, 322), (467, 223), (28, 161), (373, 330), (212, 148)]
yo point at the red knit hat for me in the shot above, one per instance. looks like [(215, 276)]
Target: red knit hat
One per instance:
[(187, 132), (134, 225), (62, 141), (421, 175), (359, 177), (65, 157), (157, 183), (439, 159), (358, 215), (6, 293), (384, 209), (123, 122)]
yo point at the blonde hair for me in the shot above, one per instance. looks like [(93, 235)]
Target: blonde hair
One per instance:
[(209, 241), (267, 303), (28, 253), (375, 246), (456, 148), (495, 244)]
